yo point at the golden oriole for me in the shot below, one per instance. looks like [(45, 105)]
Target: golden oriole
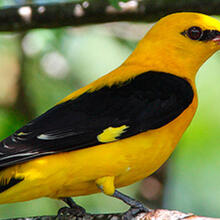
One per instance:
[(118, 129)]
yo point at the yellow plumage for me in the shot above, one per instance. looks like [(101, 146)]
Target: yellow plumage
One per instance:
[(124, 161), (110, 134)]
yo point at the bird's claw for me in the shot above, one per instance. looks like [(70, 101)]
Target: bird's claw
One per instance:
[(135, 210), (67, 213)]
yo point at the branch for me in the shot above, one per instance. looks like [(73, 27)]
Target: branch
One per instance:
[(51, 15), (159, 214)]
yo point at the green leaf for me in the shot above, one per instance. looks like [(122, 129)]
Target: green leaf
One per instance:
[(115, 4)]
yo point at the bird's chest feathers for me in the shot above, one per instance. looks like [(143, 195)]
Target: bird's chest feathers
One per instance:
[(149, 150)]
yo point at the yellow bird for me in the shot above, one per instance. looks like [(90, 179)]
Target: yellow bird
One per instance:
[(120, 128)]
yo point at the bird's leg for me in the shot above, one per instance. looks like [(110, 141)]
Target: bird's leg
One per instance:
[(69, 201), (135, 206), (106, 184), (72, 210)]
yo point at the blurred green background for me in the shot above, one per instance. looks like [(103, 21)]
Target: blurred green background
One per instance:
[(40, 67)]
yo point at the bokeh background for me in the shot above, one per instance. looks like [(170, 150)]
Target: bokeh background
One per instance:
[(40, 67)]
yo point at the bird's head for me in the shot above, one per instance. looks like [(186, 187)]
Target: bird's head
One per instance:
[(180, 40)]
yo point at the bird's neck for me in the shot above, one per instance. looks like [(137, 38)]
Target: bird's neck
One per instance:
[(166, 58)]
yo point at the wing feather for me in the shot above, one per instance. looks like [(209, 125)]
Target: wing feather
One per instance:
[(148, 101)]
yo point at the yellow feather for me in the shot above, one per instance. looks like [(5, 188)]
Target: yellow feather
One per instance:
[(106, 184), (111, 134), (117, 163)]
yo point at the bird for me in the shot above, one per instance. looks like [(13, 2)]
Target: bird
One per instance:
[(118, 129)]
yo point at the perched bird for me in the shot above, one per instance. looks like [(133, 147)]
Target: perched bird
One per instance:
[(120, 128)]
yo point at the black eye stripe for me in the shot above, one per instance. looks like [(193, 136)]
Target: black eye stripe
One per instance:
[(206, 36), (209, 35)]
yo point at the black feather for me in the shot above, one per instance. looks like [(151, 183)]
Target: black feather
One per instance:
[(148, 101), (4, 185)]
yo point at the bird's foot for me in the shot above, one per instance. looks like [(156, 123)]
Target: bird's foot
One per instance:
[(136, 207), (68, 213), (74, 211), (134, 210)]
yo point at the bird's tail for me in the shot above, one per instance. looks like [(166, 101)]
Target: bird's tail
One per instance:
[(6, 183), (8, 179)]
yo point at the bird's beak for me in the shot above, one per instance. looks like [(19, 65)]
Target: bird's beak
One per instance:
[(217, 39)]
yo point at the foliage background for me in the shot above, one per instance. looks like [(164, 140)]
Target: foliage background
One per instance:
[(40, 67)]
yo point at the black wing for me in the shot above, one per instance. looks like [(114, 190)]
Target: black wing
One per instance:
[(145, 102)]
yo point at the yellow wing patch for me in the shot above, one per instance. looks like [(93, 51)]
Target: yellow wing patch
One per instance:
[(21, 133), (111, 134)]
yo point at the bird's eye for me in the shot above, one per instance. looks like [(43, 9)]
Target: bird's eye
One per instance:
[(195, 33)]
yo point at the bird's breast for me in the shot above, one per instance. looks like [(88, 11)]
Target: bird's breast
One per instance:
[(129, 160)]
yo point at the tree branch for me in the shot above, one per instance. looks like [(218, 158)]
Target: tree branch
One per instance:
[(159, 214), (51, 15)]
